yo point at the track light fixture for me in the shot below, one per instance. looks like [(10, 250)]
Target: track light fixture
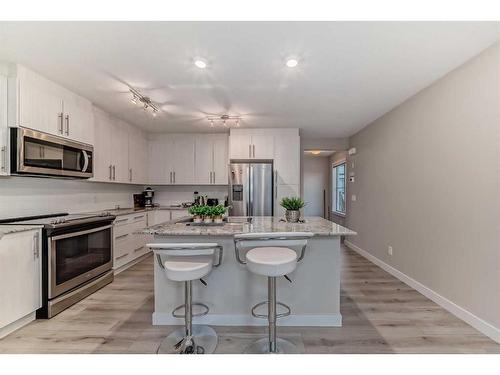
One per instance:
[(147, 104), (225, 120)]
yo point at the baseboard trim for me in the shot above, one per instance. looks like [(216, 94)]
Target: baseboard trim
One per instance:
[(14, 326), (461, 313), (330, 320), (131, 263)]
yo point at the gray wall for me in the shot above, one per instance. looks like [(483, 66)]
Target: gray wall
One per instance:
[(428, 183)]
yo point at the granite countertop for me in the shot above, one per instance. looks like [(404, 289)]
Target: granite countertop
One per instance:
[(316, 225), (9, 229)]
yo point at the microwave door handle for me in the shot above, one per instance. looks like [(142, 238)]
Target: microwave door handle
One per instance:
[(86, 161)]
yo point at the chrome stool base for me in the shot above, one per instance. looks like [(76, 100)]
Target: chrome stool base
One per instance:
[(262, 346), (203, 341)]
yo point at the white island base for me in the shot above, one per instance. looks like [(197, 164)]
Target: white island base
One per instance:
[(232, 291)]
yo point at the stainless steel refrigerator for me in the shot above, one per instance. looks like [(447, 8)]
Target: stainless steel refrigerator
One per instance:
[(251, 188)]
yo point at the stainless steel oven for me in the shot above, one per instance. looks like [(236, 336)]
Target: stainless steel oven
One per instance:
[(42, 154), (75, 258)]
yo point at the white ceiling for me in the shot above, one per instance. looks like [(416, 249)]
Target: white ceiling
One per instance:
[(350, 73)]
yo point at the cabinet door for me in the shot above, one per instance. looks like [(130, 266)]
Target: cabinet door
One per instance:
[(158, 160), (119, 151), (78, 118), (240, 146), (20, 275), (183, 159), (287, 159), (262, 147), (4, 170), (40, 104), (282, 191), (220, 167), (137, 155), (103, 130), (204, 157)]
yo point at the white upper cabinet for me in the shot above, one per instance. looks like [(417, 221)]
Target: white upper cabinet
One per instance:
[(220, 165), (251, 144), (137, 156), (182, 159), (211, 159), (114, 151), (287, 159), (40, 104), (20, 275), (159, 169), (119, 151), (4, 156), (78, 118)]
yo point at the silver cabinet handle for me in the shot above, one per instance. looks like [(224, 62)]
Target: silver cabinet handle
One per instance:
[(213, 179), (120, 221), (138, 249), (61, 123), (174, 177), (121, 256), (276, 184), (171, 177), (130, 174), (139, 217), (249, 151), (253, 147), (67, 124), (36, 246), (110, 172), (210, 174), (122, 236), (4, 158), (114, 172)]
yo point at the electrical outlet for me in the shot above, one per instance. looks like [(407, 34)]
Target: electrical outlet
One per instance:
[(353, 197), (389, 250)]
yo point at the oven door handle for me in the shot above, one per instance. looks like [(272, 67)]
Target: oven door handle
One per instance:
[(86, 161), (80, 233)]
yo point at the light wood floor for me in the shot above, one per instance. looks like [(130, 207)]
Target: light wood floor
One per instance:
[(380, 315)]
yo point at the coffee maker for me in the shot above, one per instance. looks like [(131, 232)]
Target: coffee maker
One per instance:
[(148, 194)]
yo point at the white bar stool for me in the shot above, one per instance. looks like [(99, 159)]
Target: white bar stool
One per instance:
[(187, 262), (270, 255)]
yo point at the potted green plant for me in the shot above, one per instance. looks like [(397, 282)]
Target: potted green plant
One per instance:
[(207, 214), (217, 213), (197, 213), (292, 205)]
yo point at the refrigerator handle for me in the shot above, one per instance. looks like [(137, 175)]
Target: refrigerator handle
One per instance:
[(250, 190)]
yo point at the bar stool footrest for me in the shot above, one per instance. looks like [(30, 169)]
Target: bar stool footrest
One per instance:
[(265, 316), (205, 311)]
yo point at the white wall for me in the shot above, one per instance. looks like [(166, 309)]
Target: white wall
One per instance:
[(26, 196), (428, 184), (167, 195), (316, 180)]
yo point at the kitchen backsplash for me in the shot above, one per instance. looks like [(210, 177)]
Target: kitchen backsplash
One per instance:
[(167, 195)]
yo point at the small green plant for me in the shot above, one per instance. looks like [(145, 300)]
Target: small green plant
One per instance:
[(196, 210), (292, 203), (218, 210)]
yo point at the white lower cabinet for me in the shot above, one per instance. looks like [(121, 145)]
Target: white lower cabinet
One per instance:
[(20, 277), (128, 245)]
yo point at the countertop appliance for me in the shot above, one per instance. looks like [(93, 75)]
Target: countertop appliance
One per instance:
[(251, 188), (35, 153), (148, 197), (77, 257)]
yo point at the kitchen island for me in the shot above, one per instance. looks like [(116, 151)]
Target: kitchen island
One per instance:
[(313, 295)]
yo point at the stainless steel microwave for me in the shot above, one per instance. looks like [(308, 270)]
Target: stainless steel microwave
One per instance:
[(40, 154)]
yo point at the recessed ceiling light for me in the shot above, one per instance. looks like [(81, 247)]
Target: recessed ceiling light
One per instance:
[(200, 64), (316, 152), (292, 63)]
